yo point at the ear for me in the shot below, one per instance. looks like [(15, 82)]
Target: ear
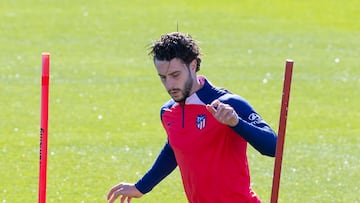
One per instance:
[(193, 65)]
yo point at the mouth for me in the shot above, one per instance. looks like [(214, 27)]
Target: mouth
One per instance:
[(174, 92)]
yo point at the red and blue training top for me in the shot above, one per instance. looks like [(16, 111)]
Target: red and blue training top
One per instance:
[(211, 156)]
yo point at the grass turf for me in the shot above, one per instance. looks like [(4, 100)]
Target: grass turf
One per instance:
[(105, 96)]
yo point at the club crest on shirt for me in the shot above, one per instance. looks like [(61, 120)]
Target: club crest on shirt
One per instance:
[(201, 121)]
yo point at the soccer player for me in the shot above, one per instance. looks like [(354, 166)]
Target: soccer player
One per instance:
[(207, 128)]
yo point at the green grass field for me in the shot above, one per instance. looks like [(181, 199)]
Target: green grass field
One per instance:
[(105, 95)]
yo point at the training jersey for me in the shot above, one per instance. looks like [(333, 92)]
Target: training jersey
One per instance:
[(211, 156)]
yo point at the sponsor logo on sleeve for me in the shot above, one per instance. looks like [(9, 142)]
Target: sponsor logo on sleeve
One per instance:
[(254, 118)]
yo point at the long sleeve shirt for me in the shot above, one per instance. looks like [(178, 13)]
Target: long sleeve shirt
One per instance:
[(211, 156)]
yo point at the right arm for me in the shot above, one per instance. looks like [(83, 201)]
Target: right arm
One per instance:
[(163, 166)]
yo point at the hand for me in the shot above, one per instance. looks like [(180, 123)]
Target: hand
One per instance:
[(224, 113), (124, 190)]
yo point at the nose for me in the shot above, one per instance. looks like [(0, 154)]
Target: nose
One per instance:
[(169, 83)]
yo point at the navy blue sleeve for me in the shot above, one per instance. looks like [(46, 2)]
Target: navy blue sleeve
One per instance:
[(251, 126), (163, 166)]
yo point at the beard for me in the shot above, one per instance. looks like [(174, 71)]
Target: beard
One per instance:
[(185, 92)]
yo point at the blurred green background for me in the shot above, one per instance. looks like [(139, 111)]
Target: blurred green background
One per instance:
[(105, 95)]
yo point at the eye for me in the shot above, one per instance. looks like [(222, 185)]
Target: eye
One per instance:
[(175, 75), (162, 77)]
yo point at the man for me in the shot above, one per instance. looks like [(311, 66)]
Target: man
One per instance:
[(207, 129)]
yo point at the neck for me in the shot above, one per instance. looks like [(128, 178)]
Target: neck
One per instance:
[(196, 86)]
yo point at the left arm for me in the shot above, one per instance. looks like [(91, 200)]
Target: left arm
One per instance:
[(260, 136), (241, 117)]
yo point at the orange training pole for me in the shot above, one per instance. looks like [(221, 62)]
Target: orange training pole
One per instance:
[(282, 130), (44, 126)]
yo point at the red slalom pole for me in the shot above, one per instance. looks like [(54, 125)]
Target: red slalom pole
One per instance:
[(44, 126), (282, 130)]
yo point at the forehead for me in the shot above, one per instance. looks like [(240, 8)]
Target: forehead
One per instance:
[(168, 67)]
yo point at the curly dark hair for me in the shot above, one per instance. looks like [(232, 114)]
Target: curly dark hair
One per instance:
[(176, 45)]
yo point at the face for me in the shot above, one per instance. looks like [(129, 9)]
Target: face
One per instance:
[(178, 79)]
